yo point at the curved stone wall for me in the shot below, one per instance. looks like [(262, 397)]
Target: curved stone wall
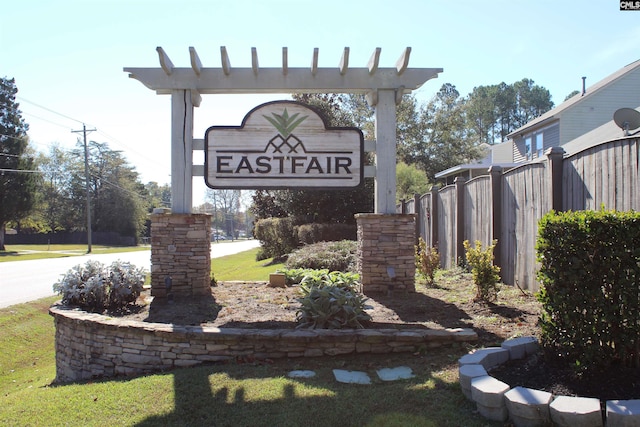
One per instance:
[(90, 345)]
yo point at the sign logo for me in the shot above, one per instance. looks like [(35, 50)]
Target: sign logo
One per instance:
[(629, 5), (283, 144)]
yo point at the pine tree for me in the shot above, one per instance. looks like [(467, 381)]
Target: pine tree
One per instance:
[(17, 180)]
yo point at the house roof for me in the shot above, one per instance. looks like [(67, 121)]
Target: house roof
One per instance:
[(556, 113), (472, 166)]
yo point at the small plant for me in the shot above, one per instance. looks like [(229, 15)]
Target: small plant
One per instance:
[(95, 287), (485, 275), (427, 261), (212, 280), (330, 301)]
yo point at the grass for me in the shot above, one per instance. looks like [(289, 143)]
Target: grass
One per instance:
[(26, 252), (225, 394), (243, 266)]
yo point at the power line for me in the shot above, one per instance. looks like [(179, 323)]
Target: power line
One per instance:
[(49, 110), (46, 120)]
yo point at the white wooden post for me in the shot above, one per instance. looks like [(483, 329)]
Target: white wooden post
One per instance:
[(385, 127), (181, 151)]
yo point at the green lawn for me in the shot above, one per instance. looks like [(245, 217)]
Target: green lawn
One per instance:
[(25, 252), (224, 394), (243, 266)]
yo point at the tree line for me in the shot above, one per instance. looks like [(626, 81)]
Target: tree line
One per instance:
[(45, 192), (446, 131)]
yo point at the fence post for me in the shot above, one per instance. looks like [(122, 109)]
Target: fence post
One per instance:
[(417, 210), (459, 183), (495, 174), (554, 165), (433, 217)]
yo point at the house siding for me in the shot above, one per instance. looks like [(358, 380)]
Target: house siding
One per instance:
[(550, 137), (599, 107)]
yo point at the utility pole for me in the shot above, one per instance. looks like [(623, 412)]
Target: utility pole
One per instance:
[(86, 182)]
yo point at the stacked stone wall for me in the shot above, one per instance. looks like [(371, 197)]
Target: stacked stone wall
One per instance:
[(90, 345), (386, 240), (181, 250)]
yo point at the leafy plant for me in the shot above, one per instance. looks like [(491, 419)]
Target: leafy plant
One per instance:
[(124, 284), (427, 261), (485, 275), (330, 301), (95, 287)]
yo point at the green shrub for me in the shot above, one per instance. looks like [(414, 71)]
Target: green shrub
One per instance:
[(277, 237), (331, 301), (485, 275), (589, 275), (427, 261), (333, 256), (314, 233), (96, 287)]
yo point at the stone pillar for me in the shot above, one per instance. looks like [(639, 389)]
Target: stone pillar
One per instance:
[(181, 249), (386, 240)]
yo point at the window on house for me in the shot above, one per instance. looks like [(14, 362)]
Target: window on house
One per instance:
[(539, 145), (527, 147)]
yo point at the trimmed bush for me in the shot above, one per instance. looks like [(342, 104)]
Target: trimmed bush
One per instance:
[(277, 237), (589, 275), (96, 287), (314, 233), (333, 256)]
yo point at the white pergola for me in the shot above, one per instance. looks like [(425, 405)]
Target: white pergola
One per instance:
[(384, 88)]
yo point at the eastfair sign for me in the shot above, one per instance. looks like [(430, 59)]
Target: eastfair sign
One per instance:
[(283, 144)]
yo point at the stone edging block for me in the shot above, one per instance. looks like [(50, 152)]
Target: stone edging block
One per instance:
[(529, 407)]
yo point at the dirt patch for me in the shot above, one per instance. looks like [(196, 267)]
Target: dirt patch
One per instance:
[(448, 305)]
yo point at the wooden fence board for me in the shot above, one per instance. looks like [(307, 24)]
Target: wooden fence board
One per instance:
[(605, 174)]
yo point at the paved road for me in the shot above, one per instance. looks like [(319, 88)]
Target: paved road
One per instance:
[(23, 281)]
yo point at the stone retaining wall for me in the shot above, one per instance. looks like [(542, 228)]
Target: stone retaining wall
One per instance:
[(92, 345), (386, 240)]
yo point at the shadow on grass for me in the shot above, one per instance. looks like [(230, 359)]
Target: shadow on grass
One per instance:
[(8, 253), (259, 395)]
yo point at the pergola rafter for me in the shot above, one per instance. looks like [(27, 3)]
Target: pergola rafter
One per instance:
[(384, 88)]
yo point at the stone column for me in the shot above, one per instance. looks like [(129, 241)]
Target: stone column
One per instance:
[(386, 244), (181, 249)]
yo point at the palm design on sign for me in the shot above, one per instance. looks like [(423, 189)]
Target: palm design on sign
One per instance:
[(285, 124)]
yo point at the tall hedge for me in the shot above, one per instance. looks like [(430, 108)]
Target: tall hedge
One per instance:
[(590, 287), (277, 237)]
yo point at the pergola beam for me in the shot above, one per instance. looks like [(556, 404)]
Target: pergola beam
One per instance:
[(285, 61), (272, 80), (374, 61), (314, 62), (254, 60), (196, 65), (165, 62), (224, 58), (344, 62)]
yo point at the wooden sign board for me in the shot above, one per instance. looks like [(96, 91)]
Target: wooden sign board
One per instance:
[(283, 144)]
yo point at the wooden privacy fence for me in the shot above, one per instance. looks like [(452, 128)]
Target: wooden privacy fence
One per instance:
[(507, 205)]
